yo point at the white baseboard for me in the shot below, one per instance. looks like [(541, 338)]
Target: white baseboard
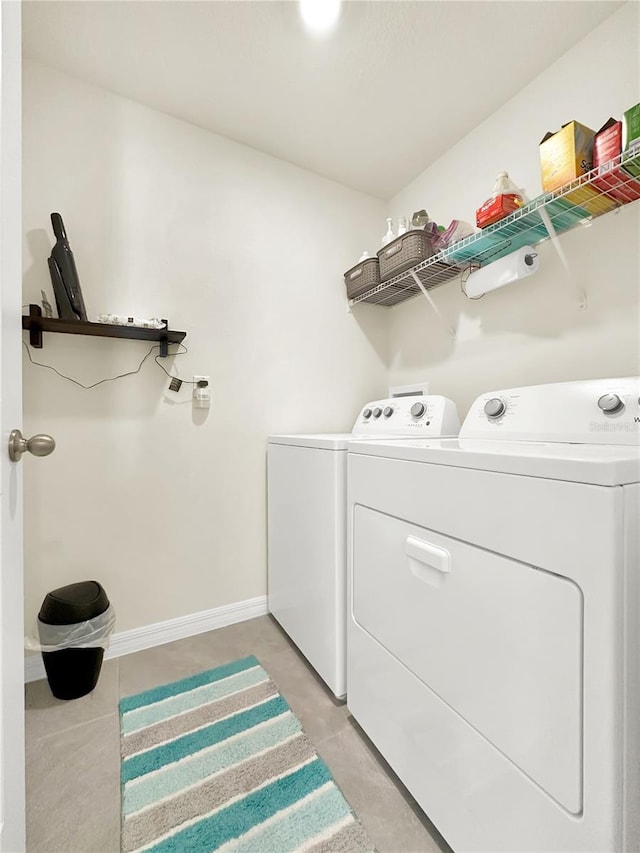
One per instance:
[(126, 642)]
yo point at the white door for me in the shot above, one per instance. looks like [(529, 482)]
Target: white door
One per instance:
[(12, 799)]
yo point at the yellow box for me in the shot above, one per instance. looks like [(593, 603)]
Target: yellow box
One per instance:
[(590, 198), (567, 155)]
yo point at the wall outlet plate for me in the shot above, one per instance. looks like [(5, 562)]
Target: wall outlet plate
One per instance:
[(201, 396), (418, 389)]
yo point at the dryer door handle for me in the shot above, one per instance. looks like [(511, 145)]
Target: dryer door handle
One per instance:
[(427, 562)]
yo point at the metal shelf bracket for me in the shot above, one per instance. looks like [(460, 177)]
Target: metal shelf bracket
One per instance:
[(579, 292), (436, 310)]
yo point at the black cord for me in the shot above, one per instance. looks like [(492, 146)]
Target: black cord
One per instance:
[(111, 378), (170, 375)]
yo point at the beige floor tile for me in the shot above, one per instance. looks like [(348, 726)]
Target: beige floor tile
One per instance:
[(173, 661), (386, 809), (45, 715), (153, 667), (73, 790), (320, 713), (262, 637)]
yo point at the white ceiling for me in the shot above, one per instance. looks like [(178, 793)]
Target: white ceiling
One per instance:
[(370, 106)]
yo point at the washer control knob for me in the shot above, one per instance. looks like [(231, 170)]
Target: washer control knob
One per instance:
[(387, 411), (494, 407), (377, 412), (417, 410), (610, 403), (366, 414)]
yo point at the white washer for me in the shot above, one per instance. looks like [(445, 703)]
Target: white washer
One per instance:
[(307, 492), (494, 618)]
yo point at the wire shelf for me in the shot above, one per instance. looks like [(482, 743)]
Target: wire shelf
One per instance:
[(600, 191)]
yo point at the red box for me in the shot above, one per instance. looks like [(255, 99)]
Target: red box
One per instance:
[(613, 179), (497, 208), (608, 142)]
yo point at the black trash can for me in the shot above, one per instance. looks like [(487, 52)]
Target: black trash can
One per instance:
[(72, 672)]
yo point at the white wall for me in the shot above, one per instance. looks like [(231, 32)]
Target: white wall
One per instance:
[(246, 254), (531, 332)]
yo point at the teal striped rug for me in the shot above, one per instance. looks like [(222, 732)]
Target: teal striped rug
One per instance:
[(219, 762)]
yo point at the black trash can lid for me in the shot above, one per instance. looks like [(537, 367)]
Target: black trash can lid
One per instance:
[(76, 602)]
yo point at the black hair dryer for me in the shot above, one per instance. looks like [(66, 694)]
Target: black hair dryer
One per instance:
[(64, 276)]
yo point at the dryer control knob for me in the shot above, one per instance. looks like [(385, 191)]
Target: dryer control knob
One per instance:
[(494, 407), (377, 412), (366, 414), (417, 410), (387, 411), (610, 403)]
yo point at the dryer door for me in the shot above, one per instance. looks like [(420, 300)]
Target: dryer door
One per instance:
[(499, 641)]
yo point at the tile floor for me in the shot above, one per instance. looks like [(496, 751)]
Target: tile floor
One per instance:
[(73, 796)]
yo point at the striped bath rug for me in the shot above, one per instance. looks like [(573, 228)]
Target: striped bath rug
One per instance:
[(219, 762)]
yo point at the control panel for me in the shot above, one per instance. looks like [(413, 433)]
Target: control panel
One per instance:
[(427, 417), (595, 411)]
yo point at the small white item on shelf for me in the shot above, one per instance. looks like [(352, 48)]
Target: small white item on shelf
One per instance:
[(419, 219), (517, 265), (403, 225), (363, 256), (138, 322), (390, 233)]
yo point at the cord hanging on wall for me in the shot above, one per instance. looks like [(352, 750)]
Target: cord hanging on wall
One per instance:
[(175, 384)]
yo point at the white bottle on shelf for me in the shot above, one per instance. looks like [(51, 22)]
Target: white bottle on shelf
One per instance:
[(390, 233), (505, 186)]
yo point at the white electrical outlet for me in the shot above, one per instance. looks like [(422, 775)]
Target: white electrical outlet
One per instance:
[(201, 393)]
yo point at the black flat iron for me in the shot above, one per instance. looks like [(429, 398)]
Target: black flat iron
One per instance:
[(64, 276)]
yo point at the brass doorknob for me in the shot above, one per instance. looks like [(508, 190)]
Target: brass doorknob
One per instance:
[(38, 445)]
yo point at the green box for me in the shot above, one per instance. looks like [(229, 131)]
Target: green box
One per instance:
[(631, 127), (631, 140)]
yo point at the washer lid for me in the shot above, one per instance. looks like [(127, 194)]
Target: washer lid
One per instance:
[(321, 441), (326, 441), (603, 465)]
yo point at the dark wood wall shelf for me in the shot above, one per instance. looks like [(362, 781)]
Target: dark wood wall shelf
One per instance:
[(36, 324)]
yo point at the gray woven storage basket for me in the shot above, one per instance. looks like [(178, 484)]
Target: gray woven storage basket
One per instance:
[(362, 277), (403, 253)]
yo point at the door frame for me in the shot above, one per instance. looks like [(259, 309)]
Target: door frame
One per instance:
[(12, 757)]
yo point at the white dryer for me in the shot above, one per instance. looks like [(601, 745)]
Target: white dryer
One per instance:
[(307, 551), (494, 618)]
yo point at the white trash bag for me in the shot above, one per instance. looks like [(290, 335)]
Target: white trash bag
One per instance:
[(91, 634)]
